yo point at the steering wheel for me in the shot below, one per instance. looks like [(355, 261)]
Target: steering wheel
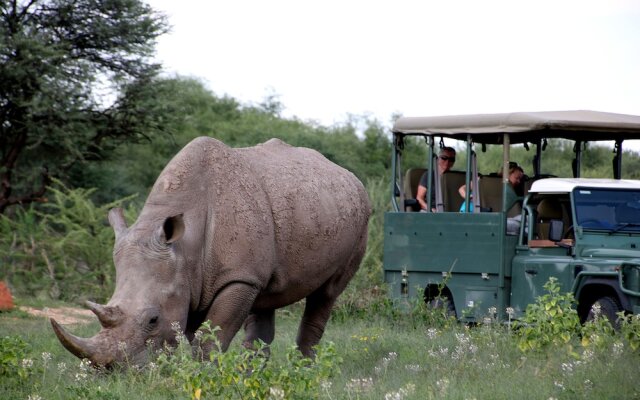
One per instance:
[(569, 233)]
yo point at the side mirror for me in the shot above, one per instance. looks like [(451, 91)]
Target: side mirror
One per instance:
[(556, 230)]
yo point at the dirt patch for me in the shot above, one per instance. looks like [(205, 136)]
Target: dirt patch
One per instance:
[(63, 315)]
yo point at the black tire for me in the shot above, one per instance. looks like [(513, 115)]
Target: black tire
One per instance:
[(609, 307), (445, 304)]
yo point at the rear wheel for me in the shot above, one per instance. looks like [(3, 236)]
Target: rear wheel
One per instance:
[(443, 304), (608, 307)]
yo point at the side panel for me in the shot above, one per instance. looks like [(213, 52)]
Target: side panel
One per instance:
[(532, 268), (469, 251)]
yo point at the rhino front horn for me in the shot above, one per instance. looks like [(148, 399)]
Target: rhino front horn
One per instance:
[(79, 347)]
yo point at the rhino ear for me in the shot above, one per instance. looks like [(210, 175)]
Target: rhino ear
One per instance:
[(173, 228), (117, 222)]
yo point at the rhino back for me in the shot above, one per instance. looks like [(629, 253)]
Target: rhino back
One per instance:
[(273, 215), (319, 209)]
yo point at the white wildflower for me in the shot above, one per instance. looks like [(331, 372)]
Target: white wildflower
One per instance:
[(510, 312), (567, 368), (27, 363), (46, 357), (34, 397), (463, 338), (413, 367), (85, 365), (618, 348), (62, 367), (80, 376), (487, 321), (559, 385), (493, 311), (276, 393), (326, 385), (432, 333), (587, 355), (360, 385), (442, 384), (401, 393), (588, 385)]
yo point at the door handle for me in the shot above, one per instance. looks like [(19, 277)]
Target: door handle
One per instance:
[(531, 271)]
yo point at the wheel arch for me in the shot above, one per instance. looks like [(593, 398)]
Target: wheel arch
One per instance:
[(433, 290), (593, 288)]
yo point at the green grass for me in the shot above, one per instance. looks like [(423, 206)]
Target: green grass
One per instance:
[(382, 357)]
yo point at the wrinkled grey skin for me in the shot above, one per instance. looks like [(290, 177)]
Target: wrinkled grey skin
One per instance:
[(230, 235)]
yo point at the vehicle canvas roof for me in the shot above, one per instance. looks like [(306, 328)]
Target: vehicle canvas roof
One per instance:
[(566, 185), (525, 126)]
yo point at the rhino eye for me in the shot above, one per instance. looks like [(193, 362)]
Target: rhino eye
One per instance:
[(153, 321)]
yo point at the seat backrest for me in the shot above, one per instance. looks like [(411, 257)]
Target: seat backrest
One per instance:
[(491, 193), (451, 182), (547, 209), (411, 182)]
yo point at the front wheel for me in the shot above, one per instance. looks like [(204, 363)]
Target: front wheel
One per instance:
[(606, 306)]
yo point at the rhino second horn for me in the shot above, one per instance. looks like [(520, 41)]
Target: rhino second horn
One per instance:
[(81, 348), (108, 316)]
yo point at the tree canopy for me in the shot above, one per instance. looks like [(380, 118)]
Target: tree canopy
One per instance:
[(60, 63)]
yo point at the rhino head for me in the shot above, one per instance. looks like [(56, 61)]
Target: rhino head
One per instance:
[(150, 298)]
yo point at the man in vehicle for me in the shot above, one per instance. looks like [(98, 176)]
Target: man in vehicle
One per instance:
[(446, 159)]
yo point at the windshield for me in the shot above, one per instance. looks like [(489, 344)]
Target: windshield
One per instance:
[(607, 209)]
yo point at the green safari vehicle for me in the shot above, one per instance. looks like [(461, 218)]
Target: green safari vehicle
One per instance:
[(583, 231)]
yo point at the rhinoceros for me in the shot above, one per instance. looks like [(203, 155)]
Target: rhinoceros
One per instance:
[(229, 235)]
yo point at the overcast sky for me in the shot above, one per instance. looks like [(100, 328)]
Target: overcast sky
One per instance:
[(327, 59)]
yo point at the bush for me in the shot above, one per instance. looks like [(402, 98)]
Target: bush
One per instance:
[(246, 374), (551, 320), (61, 251)]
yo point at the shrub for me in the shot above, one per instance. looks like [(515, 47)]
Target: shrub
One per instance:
[(63, 250), (14, 364), (246, 374), (552, 319)]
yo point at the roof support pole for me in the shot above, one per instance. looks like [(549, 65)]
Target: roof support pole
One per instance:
[(469, 178), (577, 162), (617, 160), (430, 166)]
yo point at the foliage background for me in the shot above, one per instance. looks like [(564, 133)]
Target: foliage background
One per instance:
[(100, 149)]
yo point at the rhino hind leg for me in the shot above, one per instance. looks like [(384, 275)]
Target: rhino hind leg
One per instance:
[(317, 311), (319, 303), (259, 325)]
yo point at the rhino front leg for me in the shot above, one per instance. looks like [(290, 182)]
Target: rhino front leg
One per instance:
[(228, 311), (260, 325)]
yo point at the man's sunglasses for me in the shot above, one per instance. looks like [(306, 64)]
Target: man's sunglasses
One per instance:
[(447, 158)]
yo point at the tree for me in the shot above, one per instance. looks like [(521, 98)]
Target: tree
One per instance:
[(60, 62)]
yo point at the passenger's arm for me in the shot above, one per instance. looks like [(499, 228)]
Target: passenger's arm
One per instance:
[(421, 196), (463, 191)]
